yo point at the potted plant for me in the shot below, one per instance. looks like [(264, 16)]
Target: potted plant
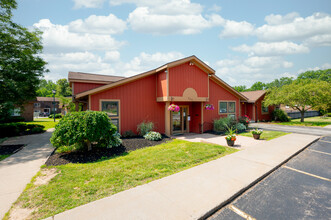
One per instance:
[(257, 133), (173, 108), (230, 137)]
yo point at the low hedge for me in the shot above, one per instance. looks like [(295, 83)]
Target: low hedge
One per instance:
[(59, 115), (18, 128)]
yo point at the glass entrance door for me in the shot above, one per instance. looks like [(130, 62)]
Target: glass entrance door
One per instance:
[(179, 122)]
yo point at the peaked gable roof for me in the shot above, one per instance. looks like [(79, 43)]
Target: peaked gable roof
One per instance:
[(253, 96), (194, 59)]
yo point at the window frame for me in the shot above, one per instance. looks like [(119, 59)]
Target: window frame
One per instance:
[(113, 117), (227, 113), (263, 108)]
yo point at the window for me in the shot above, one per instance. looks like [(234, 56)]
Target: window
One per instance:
[(227, 108), (16, 112), (112, 108), (265, 109), (37, 105)]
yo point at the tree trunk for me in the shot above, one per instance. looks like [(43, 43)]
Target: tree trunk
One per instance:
[(89, 146), (302, 116)]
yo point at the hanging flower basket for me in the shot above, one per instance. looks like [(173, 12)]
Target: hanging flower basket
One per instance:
[(173, 108), (209, 107)]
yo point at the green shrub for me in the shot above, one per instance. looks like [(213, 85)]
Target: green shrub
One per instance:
[(153, 136), (85, 128), (240, 127), (36, 130), (59, 115), (145, 127), (12, 119), (128, 134), (280, 115), (15, 129), (222, 124)]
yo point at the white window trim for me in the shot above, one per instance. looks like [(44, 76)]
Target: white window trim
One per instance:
[(227, 108)]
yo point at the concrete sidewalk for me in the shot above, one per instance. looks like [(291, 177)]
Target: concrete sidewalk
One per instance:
[(17, 170), (242, 142), (193, 193)]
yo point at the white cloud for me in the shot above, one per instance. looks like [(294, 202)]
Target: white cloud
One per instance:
[(279, 19), (294, 28), (237, 29), (145, 62), (215, 8), (98, 25), (322, 67), (88, 3), (58, 38), (112, 56), (247, 71), (142, 19), (60, 64), (319, 40), (272, 49)]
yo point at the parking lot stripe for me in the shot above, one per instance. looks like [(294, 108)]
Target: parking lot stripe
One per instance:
[(300, 171), (241, 213), (325, 141), (319, 151)]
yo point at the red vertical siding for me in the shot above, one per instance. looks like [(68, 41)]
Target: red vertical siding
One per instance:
[(263, 116), (82, 87), (187, 76), (217, 93), (161, 84), (137, 104)]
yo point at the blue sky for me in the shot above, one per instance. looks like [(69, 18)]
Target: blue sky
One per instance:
[(244, 41)]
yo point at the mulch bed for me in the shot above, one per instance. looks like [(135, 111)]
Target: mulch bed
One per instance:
[(128, 144), (10, 149)]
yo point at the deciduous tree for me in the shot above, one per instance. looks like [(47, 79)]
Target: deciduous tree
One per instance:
[(301, 95), (20, 63)]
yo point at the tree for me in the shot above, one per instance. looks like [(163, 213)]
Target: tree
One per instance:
[(280, 82), (257, 86), (20, 63), (301, 95), (45, 88), (324, 75), (240, 88), (63, 88)]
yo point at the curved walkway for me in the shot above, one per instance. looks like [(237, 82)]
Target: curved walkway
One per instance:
[(17, 170)]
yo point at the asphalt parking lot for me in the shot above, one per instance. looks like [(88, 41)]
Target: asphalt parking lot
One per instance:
[(300, 189)]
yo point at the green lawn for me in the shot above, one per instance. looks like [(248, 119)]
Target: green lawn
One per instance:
[(313, 121), (2, 157), (47, 122), (266, 135), (78, 184)]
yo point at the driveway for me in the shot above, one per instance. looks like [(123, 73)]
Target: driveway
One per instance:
[(300, 189), (293, 129)]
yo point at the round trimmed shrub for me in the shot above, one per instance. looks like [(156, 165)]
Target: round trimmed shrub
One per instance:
[(85, 128), (153, 136), (240, 127), (280, 115)]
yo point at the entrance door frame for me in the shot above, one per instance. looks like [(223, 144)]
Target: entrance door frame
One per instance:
[(182, 125)]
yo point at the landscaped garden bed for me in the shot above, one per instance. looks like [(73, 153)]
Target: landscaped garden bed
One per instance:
[(128, 144), (8, 150)]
